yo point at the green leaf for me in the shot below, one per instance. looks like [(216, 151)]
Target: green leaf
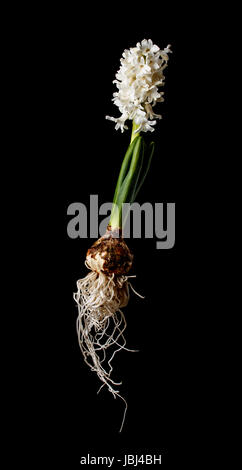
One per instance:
[(133, 173), (143, 175), (124, 168), (137, 175)]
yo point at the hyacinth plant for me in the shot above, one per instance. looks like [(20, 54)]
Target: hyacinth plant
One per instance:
[(105, 290)]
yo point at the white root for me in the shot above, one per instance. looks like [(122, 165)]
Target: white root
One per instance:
[(101, 323)]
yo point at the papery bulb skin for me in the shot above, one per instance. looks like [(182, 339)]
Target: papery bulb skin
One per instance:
[(110, 254)]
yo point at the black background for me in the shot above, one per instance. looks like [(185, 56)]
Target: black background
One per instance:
[(76, 152)]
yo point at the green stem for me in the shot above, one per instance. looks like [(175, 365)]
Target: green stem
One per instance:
[(127, 180), (124, 169), (134, 134), (128, 177)]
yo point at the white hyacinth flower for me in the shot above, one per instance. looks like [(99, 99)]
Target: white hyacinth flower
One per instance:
[(138, 80)]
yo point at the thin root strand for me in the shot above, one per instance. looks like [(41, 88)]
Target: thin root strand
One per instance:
[(101, 323)]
